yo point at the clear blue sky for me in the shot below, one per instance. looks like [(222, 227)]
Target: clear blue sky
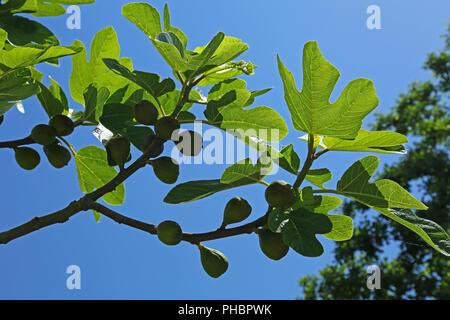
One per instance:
[(122, 263)]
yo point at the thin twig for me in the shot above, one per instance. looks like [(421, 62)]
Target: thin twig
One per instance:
[(194, 238)]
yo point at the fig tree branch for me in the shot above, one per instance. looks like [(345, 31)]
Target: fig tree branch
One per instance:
[(83, 204), (194, 238), (16, 143)]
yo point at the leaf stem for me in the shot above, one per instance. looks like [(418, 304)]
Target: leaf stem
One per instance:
[(72, 150), (308, 163)]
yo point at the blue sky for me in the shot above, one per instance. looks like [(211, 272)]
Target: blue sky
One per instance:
[(122, 263)]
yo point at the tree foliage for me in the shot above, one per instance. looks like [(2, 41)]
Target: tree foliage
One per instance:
[(414, 272), (110, 91)]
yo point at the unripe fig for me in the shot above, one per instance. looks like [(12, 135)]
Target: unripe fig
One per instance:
[(213, 261), (1, 119), (43, 134), (280, 194), (166, 169), (190, 143), (169, 232), (62, 124), (57, 155), (146, 113), (272, 244), (165, 126), (118, 149), (27, 158), (156, 143), (236, 210)]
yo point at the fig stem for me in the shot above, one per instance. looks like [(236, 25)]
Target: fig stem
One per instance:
[(72, 150)]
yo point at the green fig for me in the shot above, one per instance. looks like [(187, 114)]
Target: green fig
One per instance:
[(27, 158), (62, 124), (190, 143), (272, 244), (156, 143), (280, 194), (57, 155), (1, 119), (165, 126), (146, 113), (236, 210), (166, 169), (169, 232), (213, 261), (118, 149), (43, 134)]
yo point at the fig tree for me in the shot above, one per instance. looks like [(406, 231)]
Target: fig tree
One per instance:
[(190, 143), (272, 244), (27, 158), (62, 124), (236, 210), (280, 194), (43, 134), (57, 155), (213, 261), (166, 169), (169, 232), (146, 113), (165, 126), (156, 143), (118, 149)]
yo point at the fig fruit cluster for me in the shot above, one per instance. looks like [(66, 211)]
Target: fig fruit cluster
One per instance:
[(46, 135), (165, 127), (27, 158), (190, 143), (156, 144), (280, 194), (169, 232), (236, 210), (57, 155), (214, 262), (166, 169), (145, 112), (272, 244), (118, 150)]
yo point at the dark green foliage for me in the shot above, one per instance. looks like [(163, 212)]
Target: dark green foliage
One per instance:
[(169, 232), (43, 134), (27, 158), (414, 272), (145, 112), (280, 194), (166, 169), (57, 155), (62, 124), (165, 126), (214, 262), (118, 149), (236, 210), (272, 244)]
